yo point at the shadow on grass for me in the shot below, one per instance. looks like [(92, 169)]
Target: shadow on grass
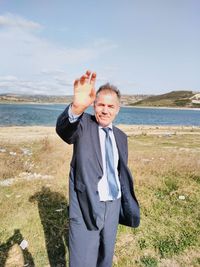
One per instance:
[(53, 211), (16, 238)]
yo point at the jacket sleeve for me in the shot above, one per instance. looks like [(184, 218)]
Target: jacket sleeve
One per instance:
[(65, 129)]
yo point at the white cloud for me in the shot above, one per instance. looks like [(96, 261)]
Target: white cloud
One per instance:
[(11, 20), (51, 87), (8, 78), (29, 57)]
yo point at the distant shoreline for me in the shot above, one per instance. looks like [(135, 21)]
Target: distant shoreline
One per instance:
[(33, 103), (124, 106), (155, 107)]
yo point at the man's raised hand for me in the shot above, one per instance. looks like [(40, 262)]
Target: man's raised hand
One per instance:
[(84, 92)]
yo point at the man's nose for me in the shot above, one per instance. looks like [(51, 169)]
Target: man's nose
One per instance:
[(105, 109)]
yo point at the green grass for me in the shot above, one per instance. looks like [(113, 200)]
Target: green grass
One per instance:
[(148, 261), (167, 176)]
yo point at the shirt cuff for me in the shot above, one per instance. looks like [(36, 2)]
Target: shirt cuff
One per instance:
[(72, 117)]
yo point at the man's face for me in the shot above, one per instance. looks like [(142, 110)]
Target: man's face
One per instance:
[(106, 107)]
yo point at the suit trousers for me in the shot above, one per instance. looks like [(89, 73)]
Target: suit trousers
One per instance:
[(93, 248)]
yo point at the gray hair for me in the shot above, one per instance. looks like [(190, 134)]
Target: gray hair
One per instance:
[(109, 88)]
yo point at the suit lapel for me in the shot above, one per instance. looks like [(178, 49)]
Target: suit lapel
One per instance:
[(118, 142), (96, 143)]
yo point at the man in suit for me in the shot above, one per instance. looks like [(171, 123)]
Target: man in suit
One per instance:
[(101, 193)]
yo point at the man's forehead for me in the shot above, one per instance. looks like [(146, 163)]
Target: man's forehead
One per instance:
[(106, 95)]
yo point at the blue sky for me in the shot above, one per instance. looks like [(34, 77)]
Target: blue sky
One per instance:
[(141, 46)]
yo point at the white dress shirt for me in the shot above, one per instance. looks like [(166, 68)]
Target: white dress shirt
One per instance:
[(103, 186)]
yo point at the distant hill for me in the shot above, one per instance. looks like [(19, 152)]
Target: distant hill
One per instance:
[(17, 98), (171, 99)]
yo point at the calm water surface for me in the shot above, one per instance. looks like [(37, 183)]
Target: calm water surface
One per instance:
[(46, 114)]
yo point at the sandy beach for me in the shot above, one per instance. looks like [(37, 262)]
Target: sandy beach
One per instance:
[(35, 133)]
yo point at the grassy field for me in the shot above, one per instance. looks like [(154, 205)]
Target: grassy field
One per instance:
[(34, 170)]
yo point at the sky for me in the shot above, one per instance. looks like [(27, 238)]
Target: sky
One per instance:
[(140, 46)]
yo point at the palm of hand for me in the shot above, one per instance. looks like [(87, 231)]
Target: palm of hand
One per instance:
[(84, 94)]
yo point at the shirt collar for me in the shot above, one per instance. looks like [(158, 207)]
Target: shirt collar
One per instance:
[(110, 126)]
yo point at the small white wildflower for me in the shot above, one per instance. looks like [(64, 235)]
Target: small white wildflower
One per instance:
[(7, 182), (13, 153), (181, 197), (26, 151)]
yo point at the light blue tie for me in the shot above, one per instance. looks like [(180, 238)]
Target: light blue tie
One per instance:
[(113, 187)]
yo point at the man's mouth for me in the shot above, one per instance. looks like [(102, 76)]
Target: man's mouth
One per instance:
[(104, 117)]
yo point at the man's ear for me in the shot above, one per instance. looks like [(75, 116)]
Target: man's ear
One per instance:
[(118, 109)]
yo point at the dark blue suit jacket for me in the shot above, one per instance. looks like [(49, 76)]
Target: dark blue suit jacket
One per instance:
[(86, 169)]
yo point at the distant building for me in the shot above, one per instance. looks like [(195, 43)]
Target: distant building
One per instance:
[(196, 98)]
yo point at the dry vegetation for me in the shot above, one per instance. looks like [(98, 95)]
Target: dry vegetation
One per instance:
[(34, 170)]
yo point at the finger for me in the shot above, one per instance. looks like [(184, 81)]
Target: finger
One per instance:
[(88, 73), (93, 79), (83, 79), (76, 83)]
